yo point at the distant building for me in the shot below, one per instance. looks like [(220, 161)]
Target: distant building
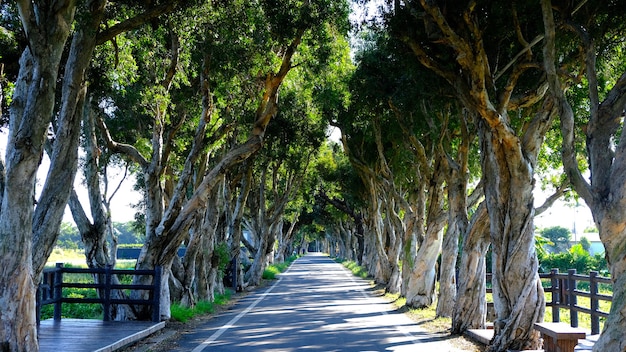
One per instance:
[(594, 238)]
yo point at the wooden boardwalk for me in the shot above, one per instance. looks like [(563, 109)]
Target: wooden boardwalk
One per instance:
[(86, 335)]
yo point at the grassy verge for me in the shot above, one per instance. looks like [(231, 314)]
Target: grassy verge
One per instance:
[(353, 267), (584, 320), (183, 314), (271, 271)]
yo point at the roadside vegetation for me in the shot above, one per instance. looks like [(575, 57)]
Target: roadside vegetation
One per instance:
[(183, 314), (353, 267), (274, 269)]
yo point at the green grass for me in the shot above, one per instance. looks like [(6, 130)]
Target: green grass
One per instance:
[(354, 268), (75, 310), (273, 270), (584, 320), (75, 258), (183, 314)]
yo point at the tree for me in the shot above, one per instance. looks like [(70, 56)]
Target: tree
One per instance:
[(43, 97), (559, 236), (587, 44), (585, 243), (27, 234), (450, 42), (271, 47)]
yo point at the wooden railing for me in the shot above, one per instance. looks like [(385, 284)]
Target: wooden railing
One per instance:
[(50, 290), (565, 293)]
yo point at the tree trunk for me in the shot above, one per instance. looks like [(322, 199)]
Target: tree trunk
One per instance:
[(64, 157), (33, 103), (471, 306), (234, 229), (285, 241), (98, 237), (517, 293), (421, 287), (189, 260), (447, 277), (607, 162), (613, 236), (458, 222), (413, 234)]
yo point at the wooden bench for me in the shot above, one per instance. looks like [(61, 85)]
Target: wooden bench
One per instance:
[(559, 337)]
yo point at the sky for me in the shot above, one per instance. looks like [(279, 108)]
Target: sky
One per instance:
[(574, 217)]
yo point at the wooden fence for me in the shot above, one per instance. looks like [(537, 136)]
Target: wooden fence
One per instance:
[(565, 293), (50, 290)]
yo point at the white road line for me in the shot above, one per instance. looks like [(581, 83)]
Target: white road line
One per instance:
[(234, 320)]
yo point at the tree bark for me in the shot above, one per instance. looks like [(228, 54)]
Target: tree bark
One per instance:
[(457, 227), (423, 274), (234, 228), (98, 238), (64, 157), (470, 307), (47, 29), (458, 222), (285, 241), (517, 293)]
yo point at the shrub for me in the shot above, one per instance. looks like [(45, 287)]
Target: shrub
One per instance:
[(576, 258), (270, 273)]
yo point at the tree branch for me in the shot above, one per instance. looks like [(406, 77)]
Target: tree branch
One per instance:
[(567, 114), (137, 21), (125, 149), (558, 193)]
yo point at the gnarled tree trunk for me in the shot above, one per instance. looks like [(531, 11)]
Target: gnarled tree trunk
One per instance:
[(458, 222), (48, 28), (517, 293), (471, 306)]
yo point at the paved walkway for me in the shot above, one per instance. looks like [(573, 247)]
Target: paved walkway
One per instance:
[(317, 305)]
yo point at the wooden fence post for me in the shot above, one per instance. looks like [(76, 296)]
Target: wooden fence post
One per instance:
[(156, 294), (106, 300), (593, 293), (38, 299), (572, 299), (58, 291), (556, 295)]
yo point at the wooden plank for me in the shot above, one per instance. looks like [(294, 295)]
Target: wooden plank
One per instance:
[(560, 331), (483, 336), (85, 335)]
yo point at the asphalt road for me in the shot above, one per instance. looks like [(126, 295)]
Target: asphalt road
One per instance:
[(317, 305)]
